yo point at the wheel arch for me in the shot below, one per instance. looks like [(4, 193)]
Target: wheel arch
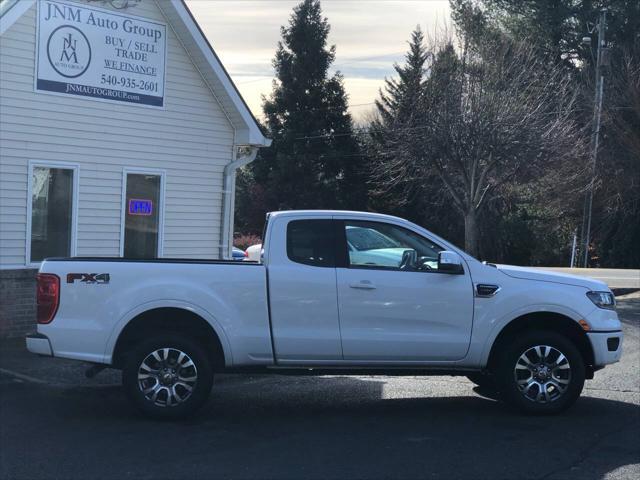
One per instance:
[(545, 320), (167, 319)]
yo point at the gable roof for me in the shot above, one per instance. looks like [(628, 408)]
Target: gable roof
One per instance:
[(202, 55)]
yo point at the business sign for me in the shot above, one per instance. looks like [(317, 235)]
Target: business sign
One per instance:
[(94, 52), (140, 207)]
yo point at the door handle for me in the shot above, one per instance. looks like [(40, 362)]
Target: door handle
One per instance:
[(363, 285)]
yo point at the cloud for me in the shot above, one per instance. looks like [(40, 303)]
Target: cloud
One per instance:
[(370, 35)]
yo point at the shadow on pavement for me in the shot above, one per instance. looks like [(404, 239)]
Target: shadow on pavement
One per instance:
[(302, 427)]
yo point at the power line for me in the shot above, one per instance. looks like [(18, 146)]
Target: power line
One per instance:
[(262, 115), (256, 80), (326, 108), (367, 131)]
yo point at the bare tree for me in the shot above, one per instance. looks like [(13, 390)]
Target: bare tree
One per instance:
[(623, 113), (617, 200), (489, 118)]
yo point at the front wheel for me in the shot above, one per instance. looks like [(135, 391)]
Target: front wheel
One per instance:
[(541, 373), (167, 376)]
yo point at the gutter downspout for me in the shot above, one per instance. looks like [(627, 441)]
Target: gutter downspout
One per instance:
[(243, 155)]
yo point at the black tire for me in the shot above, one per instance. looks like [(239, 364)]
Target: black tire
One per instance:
[(542, 394), (482, 380), (174, 383)]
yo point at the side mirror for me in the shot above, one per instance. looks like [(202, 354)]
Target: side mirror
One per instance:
[(450, 262)]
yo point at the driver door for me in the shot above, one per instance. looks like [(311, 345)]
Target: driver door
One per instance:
[(393, 311)]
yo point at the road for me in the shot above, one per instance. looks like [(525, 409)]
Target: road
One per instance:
[(614, 277), (55, 424)]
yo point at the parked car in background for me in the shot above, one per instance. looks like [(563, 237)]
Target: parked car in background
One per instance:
[(254, 252), (238, 254)]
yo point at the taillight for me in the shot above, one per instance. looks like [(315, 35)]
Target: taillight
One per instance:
[(47, 296)]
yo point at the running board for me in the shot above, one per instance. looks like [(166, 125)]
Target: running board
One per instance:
[(304, 370)]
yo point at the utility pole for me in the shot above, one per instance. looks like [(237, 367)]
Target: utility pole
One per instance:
[(573, 249), (595, 132)]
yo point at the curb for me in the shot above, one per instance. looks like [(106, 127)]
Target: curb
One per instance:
[(623, 291)]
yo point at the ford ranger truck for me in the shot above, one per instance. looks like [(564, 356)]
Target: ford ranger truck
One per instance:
[(335, 292)]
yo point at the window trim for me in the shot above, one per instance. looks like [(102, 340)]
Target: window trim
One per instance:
[(75, 168), (144, 171), (343, 253)]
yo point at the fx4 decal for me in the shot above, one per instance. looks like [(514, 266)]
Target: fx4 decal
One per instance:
[(101, 278)]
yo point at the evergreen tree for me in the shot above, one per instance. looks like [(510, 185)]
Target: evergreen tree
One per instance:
[(314, 161), (400, 181), (391, 132), (401, 95), (395, 135), (554, 27)]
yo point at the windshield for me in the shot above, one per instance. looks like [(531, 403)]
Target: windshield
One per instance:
[(361, 238)]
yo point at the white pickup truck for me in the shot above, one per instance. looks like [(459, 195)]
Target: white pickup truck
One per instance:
[(335, 292)]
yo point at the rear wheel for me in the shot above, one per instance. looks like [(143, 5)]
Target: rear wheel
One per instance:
[(541, 373), (167, 376)]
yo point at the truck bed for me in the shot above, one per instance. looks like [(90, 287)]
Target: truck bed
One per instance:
[(100, 296)]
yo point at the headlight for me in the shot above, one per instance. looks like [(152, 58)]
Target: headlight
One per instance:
[(603, 299)]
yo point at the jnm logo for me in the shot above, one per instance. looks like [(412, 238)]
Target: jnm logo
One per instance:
[(69, 49)]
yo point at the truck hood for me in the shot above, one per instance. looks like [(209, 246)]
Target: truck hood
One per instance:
[(547, 276)]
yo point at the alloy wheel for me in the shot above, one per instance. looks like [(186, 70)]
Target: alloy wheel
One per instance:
[(542, 374), (167, 377)]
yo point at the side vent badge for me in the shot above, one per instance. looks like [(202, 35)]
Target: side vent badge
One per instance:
[(485, 290)]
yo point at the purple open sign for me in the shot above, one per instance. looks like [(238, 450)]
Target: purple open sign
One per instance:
[(140, 207)]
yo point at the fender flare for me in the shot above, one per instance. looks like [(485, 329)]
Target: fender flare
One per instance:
[(156, 304), (506, 319)]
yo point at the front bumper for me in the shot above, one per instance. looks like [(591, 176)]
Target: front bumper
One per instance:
[(39, 344), (607, 347)]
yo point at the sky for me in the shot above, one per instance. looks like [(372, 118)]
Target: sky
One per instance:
[(369, 35)]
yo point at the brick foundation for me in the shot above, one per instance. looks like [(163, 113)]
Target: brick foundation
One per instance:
[(17, 302)]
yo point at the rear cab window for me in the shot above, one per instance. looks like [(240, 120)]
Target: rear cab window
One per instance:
[(311, 242)]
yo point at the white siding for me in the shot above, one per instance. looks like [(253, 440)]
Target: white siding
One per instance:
[(191, 140)]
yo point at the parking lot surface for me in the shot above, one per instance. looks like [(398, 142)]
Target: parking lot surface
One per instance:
[(56, 424)]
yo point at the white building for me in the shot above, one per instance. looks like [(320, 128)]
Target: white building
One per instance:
[(120, 134)]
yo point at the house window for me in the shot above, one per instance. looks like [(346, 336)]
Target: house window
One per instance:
[(52, 197), (142, 215)]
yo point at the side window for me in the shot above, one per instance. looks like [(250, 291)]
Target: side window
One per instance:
[(386, 246), (311, 242), (142, 215), (51, 212)]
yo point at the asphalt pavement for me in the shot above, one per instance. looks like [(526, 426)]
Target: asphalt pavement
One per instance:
[(54, 423)]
